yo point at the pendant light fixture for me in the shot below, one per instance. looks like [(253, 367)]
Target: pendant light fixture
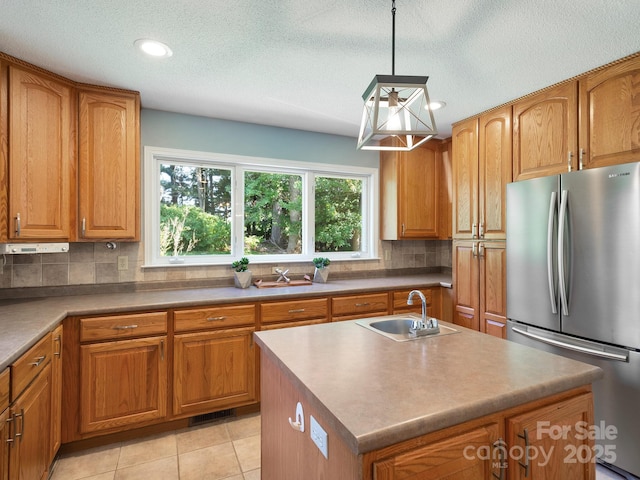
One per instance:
[(397, 114)]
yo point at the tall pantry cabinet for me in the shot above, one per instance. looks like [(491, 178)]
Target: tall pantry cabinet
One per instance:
[(481, 170)]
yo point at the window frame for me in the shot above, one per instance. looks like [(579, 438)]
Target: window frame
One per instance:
[(238, 164)]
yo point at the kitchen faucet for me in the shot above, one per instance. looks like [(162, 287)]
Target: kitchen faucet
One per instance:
[(425, 323)]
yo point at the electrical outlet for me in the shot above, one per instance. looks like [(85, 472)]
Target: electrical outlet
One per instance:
[(387, 255), (123, 263), (319, 437)]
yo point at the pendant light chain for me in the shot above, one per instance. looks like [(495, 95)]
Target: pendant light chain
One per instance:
[(393, 37)]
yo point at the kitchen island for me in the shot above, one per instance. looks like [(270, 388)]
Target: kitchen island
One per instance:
[(464, 405)]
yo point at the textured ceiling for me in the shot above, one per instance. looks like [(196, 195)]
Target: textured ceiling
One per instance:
[(304, 65)]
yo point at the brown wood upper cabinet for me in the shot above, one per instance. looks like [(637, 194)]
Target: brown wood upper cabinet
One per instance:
[(585, 123), (41, 155), (109, 166), (481, 171), (545, 132), (69, 158), (610, 114), (410, 184)]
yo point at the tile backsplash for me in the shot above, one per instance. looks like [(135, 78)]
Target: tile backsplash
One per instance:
[(96, 264)]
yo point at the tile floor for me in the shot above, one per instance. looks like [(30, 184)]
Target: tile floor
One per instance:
[(226, 449)]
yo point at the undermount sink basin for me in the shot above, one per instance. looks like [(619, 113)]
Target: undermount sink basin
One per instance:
[(397, 327)]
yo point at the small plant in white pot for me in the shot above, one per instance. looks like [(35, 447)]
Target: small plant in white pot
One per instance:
[(242, 274), (321, 274)]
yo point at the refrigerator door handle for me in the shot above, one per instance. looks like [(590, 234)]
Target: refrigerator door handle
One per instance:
[(562, 224), (550, 271), (570, 346)]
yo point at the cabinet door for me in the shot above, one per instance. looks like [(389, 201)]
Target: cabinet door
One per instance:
[(465, 179), (445, 460), (41, 156), (494, 172), (553, 436), (410, 193), (109, 166), (466, 283), (56, 392), (493, 288), (4, 445), (610, 115), (29, 456), (545, 132), (213, 370), (419, 193), (122, 383), (446, 191)]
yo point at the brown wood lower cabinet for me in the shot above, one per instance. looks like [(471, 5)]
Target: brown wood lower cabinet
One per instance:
[(213, 370), (29, 430), (4, 424), (56, 392), (123, 383), (444, 458), (554, 435), (480, 286)]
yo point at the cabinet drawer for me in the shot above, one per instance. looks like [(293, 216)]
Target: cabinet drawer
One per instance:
[(29, 365), (122, 326), (400, 300), (214, 317), (359, 304), (296, 310), (4, 389)]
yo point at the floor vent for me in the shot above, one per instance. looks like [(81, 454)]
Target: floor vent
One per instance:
[(210, 417)]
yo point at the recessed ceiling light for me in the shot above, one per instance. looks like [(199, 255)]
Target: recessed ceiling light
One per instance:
[(437, 104), (153, 48)]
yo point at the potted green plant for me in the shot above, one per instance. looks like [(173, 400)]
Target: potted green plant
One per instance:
[(321, 274), (242, 274)]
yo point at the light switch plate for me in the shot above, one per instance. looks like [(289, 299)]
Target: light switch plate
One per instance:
[(319, 437)]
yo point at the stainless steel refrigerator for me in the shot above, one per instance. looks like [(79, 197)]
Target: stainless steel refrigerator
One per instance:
[(573, 288)]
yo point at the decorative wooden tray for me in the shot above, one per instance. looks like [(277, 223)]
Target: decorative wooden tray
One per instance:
[(291, 283)]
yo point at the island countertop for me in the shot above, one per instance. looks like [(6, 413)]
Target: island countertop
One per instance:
[(376, 392)]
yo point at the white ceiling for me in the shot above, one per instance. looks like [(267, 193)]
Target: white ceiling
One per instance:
[(304, 65)]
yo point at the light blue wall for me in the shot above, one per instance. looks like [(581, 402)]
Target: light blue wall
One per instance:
[(189, 132)]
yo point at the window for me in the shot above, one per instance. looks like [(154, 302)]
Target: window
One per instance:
[(206, 208)]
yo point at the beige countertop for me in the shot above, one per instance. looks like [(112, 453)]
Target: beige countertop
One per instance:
[(376, 392), (24, 321)]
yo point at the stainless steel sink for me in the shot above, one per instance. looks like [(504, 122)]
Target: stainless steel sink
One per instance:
[(396, 327)]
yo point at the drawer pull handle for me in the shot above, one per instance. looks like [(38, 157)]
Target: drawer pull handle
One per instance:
[(216, 319), (365, 304), (38, 361), (125, 327), (58, 341), (20, 415), (296, 310), (525, 465), (18, 227), (9, 437)]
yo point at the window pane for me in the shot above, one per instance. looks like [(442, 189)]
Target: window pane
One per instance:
[(195, 210), (272, 213), (338, 208)]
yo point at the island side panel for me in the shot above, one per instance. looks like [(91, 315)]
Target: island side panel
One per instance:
[(288, 454)]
